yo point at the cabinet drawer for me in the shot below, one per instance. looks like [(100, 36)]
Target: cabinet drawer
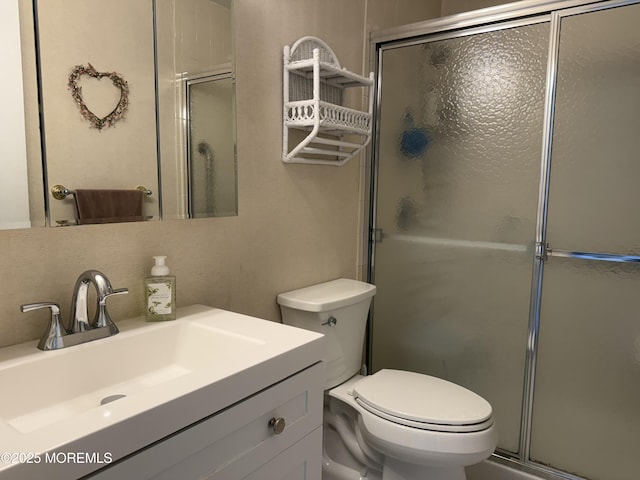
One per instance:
[(235, 442)]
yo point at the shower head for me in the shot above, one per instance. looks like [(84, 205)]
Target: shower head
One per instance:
[(204, 149)]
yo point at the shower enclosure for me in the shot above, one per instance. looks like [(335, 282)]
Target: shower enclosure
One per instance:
[(505, 234), (211, 161)]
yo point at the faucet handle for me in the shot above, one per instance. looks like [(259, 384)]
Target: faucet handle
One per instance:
[(117, 291), (102, 316), (53, 337)]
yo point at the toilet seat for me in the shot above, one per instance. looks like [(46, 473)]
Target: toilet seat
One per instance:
[(418, 446), (430, 403)]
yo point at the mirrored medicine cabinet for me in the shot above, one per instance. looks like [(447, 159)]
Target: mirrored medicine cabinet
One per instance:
[(117, 95)]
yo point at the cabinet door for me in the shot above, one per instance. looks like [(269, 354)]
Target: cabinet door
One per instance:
[(298, 462), (238, 441)]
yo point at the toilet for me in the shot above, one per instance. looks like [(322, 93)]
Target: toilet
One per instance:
[(394, 424)]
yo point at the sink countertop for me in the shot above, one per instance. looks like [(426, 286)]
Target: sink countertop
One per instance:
[(92, 436)]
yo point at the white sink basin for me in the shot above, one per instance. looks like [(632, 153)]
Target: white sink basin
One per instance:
[(119, 394), (49, 388)]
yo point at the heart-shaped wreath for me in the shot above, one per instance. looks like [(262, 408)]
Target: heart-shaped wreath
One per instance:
[(76, 92)]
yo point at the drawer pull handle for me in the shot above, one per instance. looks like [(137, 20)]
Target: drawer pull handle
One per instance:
[(277, 424)]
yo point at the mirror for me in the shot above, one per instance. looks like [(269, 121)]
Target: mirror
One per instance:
[(208, 147), (196, 100), (21, 198), (115, 79), (14, 198)]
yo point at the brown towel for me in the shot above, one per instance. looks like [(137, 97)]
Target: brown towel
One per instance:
[(109, 206)]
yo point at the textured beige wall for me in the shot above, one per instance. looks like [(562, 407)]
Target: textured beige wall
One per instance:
[(451, 7), (386, 14), (298, 224)]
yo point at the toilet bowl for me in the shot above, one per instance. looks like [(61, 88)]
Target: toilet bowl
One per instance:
[(394, 424)]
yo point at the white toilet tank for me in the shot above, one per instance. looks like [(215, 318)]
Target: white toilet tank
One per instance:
[(339, 310)]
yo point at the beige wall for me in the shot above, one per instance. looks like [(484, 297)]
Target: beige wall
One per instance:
[(451, 7), (298, 224)]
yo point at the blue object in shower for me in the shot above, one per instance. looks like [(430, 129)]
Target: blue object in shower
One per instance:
[(413, 141)]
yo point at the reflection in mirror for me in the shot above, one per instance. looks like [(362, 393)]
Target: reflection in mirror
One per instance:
[(14, 196), (105, 44), (196, 104), (118, 38), (210, 148), (21, 199)]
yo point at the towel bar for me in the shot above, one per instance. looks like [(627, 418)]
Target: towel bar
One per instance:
[(59, 192)]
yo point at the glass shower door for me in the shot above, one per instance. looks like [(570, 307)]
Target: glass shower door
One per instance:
[(458, 158), (210, 147), (586, 410)]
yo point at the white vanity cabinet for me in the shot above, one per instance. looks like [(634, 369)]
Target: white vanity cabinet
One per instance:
[(192, 398), (243, 441)]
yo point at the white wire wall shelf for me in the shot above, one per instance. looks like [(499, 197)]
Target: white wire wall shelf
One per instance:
[(314, 85)]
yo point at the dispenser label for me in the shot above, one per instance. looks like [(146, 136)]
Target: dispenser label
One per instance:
[(159, 298)]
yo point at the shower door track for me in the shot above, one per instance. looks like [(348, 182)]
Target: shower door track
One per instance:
[(511, 15)]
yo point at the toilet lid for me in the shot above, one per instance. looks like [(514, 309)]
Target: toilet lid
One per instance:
[(423, 401)]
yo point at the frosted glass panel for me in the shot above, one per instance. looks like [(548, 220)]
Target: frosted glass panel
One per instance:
[(459, 159), (594, 191), (586, 415), (212, 165)]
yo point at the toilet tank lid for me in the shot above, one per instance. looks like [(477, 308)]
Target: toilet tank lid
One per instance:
[(327, 296)]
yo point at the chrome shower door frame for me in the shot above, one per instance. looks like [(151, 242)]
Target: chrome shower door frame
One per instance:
[(481, 21)]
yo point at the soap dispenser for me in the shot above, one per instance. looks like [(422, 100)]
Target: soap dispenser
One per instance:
[(160, 292)]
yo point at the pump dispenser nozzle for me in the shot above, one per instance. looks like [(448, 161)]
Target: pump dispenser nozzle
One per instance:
[(160, 269)]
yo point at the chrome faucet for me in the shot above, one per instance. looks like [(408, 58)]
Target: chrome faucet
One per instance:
[(80, 329), (79, 309)]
